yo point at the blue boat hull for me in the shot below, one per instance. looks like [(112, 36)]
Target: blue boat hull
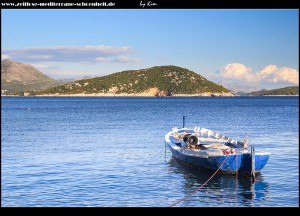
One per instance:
[(242, 165)]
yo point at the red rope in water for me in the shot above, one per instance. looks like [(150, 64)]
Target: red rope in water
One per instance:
[(184, 198), (236, 175), (236, 164)]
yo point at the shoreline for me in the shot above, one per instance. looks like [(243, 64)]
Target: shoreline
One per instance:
[(143, 94), (150, 96)]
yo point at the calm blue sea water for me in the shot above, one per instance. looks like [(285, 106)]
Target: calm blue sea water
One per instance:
[(110, 151)]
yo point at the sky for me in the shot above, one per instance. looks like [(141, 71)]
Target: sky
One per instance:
[(241, 46)]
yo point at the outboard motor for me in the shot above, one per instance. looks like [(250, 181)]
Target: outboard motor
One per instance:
[(190, 139), (185, 137)]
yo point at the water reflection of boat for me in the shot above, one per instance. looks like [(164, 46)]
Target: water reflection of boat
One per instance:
[(224, 188)]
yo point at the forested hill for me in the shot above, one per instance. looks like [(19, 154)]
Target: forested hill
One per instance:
[(157, 81), (291, 90)]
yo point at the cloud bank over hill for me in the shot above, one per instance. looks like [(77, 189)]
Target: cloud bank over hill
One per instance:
[(54, 60), (269, 74)]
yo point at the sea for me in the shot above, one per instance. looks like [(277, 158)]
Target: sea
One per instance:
[(110, 151)]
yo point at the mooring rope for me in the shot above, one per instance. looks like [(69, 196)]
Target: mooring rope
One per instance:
[(236, 175), (165, 149), (236, 164), (184, 198)]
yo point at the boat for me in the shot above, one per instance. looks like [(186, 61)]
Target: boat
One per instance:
[(210, 150)]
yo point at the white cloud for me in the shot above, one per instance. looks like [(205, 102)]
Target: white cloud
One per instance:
[(3, 56), (237, 71), (121, 58), (102, 59), (273, 74), (286, 74), (126, 59), (269, 74), (72, 54), (266, 71)]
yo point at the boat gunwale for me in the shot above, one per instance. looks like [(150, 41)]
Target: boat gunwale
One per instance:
[(172, 145)]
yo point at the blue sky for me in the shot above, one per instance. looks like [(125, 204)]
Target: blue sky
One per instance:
[(250, 47)]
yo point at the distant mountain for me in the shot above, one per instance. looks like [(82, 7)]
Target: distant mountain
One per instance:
[(66, 80), (239, 89), (291, 90), (19, 77), (155, 81)]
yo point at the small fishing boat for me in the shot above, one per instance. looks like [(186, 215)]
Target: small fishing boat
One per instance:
[(211, 150)]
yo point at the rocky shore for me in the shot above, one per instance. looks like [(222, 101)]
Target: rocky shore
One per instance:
[(207, 94)]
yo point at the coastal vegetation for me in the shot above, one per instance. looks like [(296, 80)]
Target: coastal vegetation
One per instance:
[(155, 81), (23, 79), (291, 90)]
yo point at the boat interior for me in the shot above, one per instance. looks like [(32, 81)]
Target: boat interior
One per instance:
[(204, 139)]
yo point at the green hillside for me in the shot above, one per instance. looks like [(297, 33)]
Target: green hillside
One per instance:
[(291, 90), (171, 80)]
